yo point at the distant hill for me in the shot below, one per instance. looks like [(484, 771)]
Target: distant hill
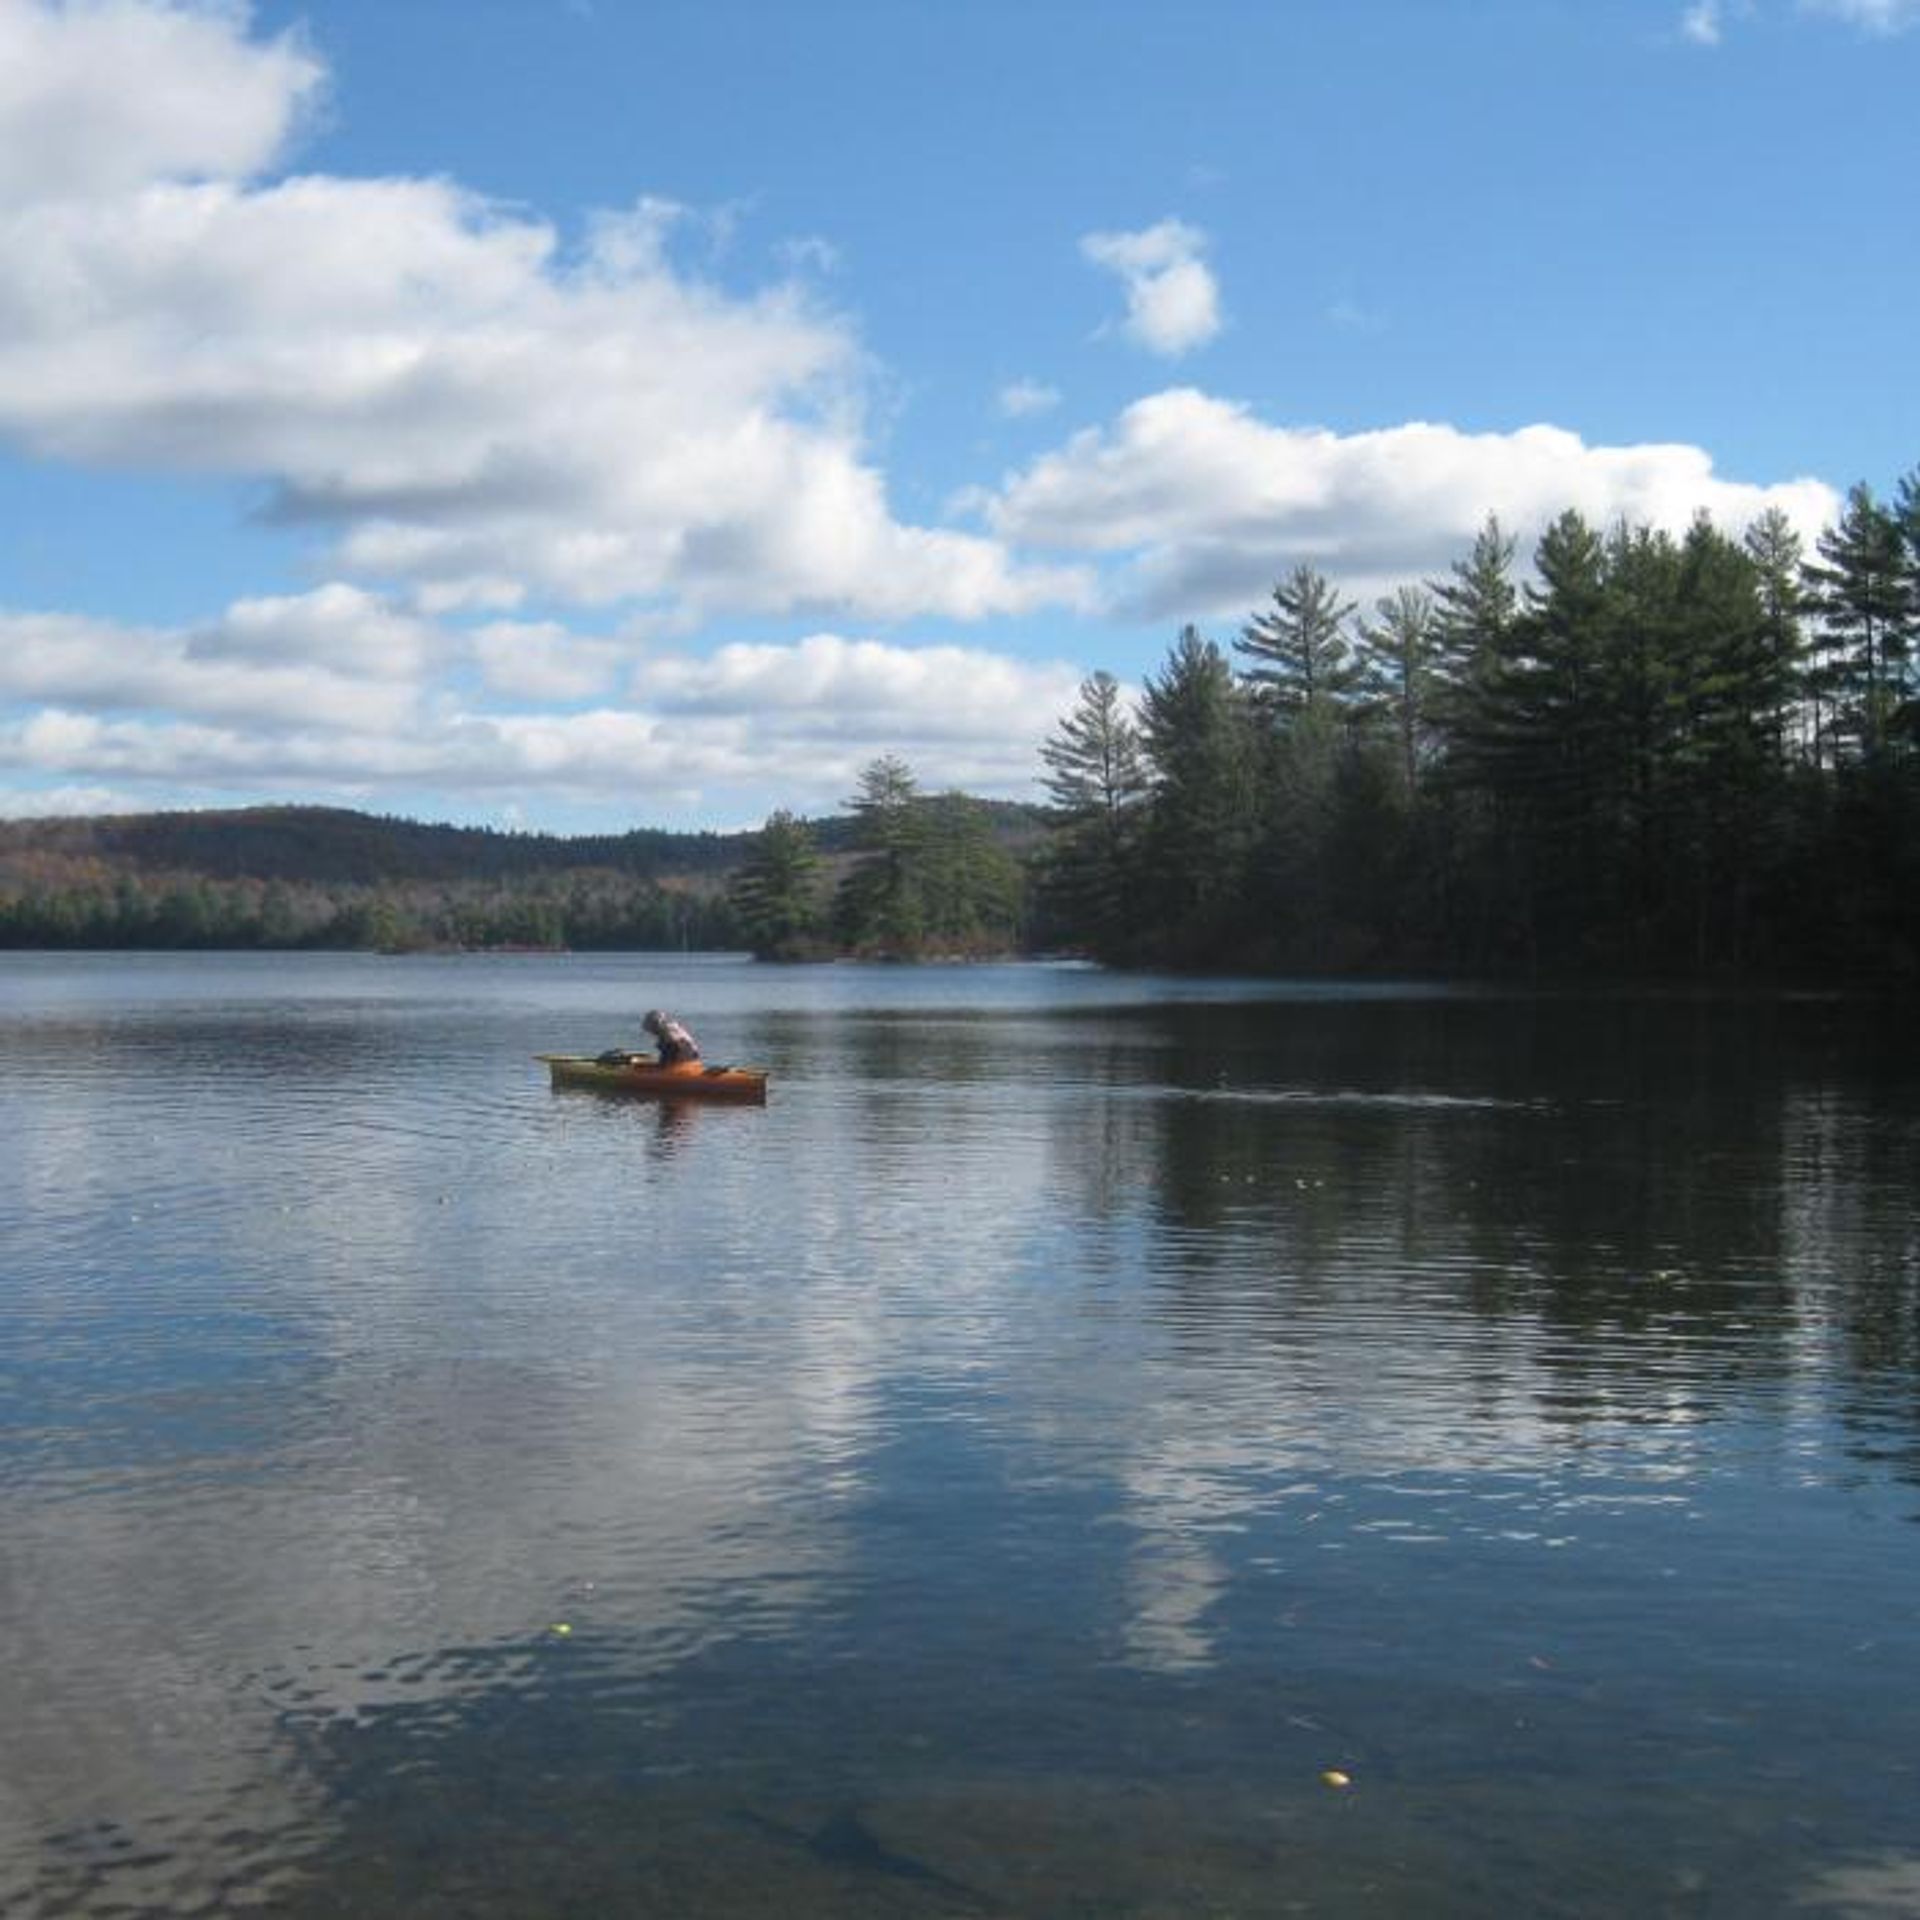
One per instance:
[(337, 846), (279, 877)]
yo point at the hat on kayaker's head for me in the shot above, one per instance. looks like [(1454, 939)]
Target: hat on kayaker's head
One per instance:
[(653, 1021)]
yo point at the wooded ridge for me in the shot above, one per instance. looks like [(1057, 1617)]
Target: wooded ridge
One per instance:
[(305, 876)]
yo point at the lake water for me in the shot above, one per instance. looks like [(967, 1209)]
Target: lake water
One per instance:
[(1089, 1446)]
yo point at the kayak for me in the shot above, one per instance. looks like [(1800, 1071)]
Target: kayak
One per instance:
[(692, 1080)]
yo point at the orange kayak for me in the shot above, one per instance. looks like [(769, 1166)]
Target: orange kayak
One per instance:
[(694, 1080)]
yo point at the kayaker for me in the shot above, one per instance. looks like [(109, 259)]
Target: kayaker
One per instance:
[(676, 1044)]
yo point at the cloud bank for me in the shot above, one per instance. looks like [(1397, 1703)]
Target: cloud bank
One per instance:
[(526, 459), (456, 397), (369, 701), (1203, 505)]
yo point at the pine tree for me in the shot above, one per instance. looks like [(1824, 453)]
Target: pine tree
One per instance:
[(1097, 778), (969, 885), (879, 903), (1862, 590), (1401, 652), (1092, 756), (1778, 555), (776, 891), (1531, 741), (1194, 727), (1906, 510), (1301, 654), (1473, 617)]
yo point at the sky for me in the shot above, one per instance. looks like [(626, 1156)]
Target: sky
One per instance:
[(575, 415)]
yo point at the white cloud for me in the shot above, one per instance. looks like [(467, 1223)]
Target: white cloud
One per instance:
[(337, 628), (830, 685), (477, 414), (544, 661), (132, 712), (105, 96), (1020, 399), (1203, 504), (65, 661), (439, 385), (1173, 302)]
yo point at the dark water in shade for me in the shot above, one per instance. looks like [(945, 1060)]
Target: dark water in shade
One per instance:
[(1005, 1475)]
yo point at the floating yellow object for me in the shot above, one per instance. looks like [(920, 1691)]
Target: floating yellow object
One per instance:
[(561, 1627), (1333, 1777)]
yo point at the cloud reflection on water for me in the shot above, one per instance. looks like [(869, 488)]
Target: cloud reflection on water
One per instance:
[(973, 1394)]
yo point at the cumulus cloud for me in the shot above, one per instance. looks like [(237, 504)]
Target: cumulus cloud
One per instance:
[(544, 661), (146, 715), (1173, 301), (484, 421), (440, 387), (1203, 503), (336, 629), (215, 673), (827, 684), (106, 97)]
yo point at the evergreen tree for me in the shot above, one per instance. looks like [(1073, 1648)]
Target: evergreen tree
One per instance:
[(1905, 722), (1092, 756), (1473, 618), (1299, 648), (1627, 722), (1195, 731), (1725, 773), (970, 886), (776, 891), (1777, 554), (1728, 674), (879, 904), (1097, 778), (1862, 590), (1531, 739), (1401, 653)]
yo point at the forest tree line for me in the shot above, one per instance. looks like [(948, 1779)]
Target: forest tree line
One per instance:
[(932, 867), (1653, 756), (287, 876), (585, 909), (924, 875)]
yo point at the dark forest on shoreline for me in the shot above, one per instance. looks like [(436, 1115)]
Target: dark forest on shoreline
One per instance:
[(1692, 758)]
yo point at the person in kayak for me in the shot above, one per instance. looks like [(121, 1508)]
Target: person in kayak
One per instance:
[(676, 1044)]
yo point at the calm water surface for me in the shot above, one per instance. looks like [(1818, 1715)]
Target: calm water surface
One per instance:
[(1007, 1474)]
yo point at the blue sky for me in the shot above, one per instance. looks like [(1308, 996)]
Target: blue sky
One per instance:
[(570, 414)]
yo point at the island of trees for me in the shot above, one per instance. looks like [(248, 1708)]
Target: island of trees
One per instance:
[(1649, 757), (1693, 757)]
